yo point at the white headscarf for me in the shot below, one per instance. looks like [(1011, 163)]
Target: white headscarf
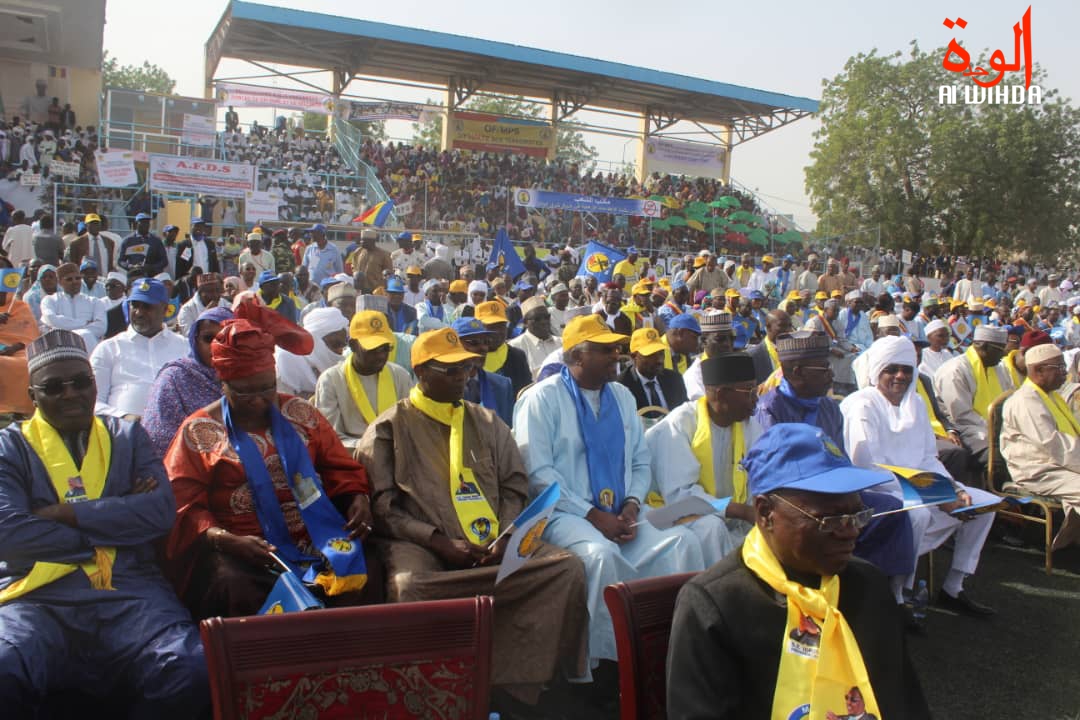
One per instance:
[(476, 286), (891, 350), (298, 374)]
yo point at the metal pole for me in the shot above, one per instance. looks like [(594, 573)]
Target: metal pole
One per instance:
[(426, 183), (55, 196)]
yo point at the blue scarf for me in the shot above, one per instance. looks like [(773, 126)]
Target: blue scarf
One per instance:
[(809, 405), (344, 557), (487, 392), (852, 321), (431, 310), (398, 318), (604, 443)]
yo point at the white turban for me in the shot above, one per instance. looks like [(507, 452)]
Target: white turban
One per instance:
[(476, 286), (935, 325), (853, 295), (298, 373), (892, 350)]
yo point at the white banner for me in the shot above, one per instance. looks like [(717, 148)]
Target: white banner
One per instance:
[(678, 157), (63, 169), (198, 130), (231, 94), (404, 209), (30, 179), (116, 168), (261, 206), (211, 177)]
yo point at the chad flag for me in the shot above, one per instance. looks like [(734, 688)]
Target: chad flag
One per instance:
[(376, 215)]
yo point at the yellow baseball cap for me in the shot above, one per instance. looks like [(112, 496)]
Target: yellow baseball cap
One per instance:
[(491, 312), (821, 295), (700, 261), (442, 345), (836, 294), (92, 217), (956, 303), (646, 341), (589, 328), (768, 259), (641, 288), (794, 295), (459, 286), (414, 270), (371, 330), (731, 292)]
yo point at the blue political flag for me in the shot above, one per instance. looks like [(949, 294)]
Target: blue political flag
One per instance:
[(504, 255), (599, 260), (289, 595), (10, 279), (922, 487), (526, 531)]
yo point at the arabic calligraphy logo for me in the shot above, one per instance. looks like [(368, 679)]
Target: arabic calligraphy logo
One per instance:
[(957, 59), (597, 263), (523, 197)]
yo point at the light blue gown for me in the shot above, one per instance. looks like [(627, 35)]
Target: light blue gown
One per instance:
[(547, 432)]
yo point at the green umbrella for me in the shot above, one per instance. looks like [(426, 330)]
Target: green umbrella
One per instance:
[(726, 202), (739, 227), (758, 236), (658, 224), (698, 214), (788, 236), (697, 207), (677, 221)]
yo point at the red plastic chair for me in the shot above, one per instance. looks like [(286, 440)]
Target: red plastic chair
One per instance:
[(403, 660), (641, 611)]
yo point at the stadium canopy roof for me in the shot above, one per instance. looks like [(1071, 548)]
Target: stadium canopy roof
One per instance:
[(354, 48)]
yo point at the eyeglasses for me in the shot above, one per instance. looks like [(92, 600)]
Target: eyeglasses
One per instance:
[(452, 371), (747, 390), (897, 369), (834, 523), (55, 387), (817, 368), (251, 394)]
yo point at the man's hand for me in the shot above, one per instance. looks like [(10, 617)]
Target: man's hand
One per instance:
[(954, 437), (60, 512), (359, 521), (629, 517), (496, 551), (610, 525), (253, 550), (740, 511), (455, 553), (962, 500), (836, 352)]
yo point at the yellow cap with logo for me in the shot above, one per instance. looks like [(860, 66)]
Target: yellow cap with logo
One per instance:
[(491, 312), (646, 341), (442, 345), (589, 328), (371, 329)]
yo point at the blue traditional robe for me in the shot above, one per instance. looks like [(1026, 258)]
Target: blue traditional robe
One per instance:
[(887, 541), (136, 640), (547, 432)]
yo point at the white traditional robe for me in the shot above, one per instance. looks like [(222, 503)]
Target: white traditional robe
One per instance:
[(81, 314), (878, 432), (676, 470), (535, 349), (932, 360), (547, 432), (954, 384), (335, 402)]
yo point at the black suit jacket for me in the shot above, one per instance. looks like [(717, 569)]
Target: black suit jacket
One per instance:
[(115, 322), (671, 384), (516, 368), (183, 265), (762, 364)]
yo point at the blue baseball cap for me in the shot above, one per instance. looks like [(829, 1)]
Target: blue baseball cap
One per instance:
[(797, 456), (523, 285), (149, 291), (404, 236), (328, 281), (686, 321), (317, 227), (197, 221), (467, 326), (631, 250), (789, 258), (756, 295), (168, 229), (88, 264), (268, 276), (80, 227), (142, 216), (394, 285), (678, 284)]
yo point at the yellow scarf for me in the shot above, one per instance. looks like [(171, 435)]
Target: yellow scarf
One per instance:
[(774, 356), (669, 358), (72, 485), (273, 304), (494, 360), (1063, 418), (939, 429), (1010, 365), (987, 385), (820, 660), (384, 393), (701, 446), (478, 521)]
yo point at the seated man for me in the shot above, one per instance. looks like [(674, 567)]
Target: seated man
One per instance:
[(717, 337), (886, 424), (968, 383), (1039, 438), (351, 394), (207, 295), (275, 299), (70, 309), (580, 429), (439, 545), (510, 362), (258, 472), (538, 341), (125, 365), (650, 383), (83, 605), (696, 450), (488, 389), (792, 622), (766, 361), (681, 342)]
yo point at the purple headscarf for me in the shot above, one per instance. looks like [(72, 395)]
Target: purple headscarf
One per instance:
[(214, 314)]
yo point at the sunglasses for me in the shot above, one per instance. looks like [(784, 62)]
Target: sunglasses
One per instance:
[(55, 387), (833, 523), (451, 370), (250, 394)]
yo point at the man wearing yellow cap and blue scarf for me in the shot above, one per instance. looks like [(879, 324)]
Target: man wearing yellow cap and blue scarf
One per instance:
[(83, 500), (579, 428), (448, 480), (791, 627)]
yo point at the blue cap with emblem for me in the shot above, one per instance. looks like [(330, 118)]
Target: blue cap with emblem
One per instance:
[(394, 285), (467, 326), (796, 456), (268, 276), (686, 321), (149, 291)]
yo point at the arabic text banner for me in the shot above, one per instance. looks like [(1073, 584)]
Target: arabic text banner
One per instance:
[(493, 133), (372, 111), (116, 168), (546, 199), (678, 157), (212, 177), (251, 96)]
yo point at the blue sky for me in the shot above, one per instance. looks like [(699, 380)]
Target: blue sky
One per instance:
[(779, 45)]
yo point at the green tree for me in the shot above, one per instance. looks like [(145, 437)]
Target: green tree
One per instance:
[(571, 145), (987, 178), (145, 77)]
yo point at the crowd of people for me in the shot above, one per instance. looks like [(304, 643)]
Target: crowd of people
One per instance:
[(322, 388)]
